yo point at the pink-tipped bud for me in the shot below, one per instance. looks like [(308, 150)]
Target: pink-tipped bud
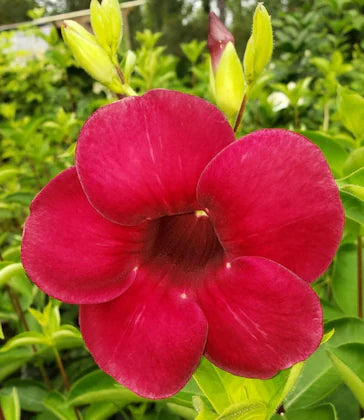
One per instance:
[(218, 38)]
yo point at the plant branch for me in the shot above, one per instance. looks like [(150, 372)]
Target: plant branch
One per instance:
[(64, 377), (120, 73), (325, 125), (14, 299), (2, 417), (240, 114)]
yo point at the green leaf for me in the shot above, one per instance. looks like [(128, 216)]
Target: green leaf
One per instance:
[(67, 337), (10, 405), (252, 410), (57, 405), (209, 379), (99, 387), (335, 152), (204, 413), (351, 109), (31, 393), (351, 379), (21, 197), (101, 411), (353, 184), (319, 378), (354, 207), (9, 271), (345, 279), (26, 338), (8, 173), (321, 412), (1, 332), (12, 360), (354, 162)]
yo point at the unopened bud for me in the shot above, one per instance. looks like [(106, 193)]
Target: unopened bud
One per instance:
[(218, 38), (91, 56), (229, 82), (106, 23), (260, 45)]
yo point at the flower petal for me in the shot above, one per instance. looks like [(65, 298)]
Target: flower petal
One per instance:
[(272, 194), (71, 252), (141, 158), (262, 318), (149, 339)]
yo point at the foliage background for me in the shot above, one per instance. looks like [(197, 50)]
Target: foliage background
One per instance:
[(44, 101)]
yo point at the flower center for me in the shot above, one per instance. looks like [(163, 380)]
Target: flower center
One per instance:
[(188, 241)]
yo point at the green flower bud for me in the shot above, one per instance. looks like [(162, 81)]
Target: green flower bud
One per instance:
[(229, 82), (106, 23), (91, 56), (259, 48)]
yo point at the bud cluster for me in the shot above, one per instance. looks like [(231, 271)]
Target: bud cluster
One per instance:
[(229, 83)]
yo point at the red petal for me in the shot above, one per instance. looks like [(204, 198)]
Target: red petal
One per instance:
[(71, 252), (262, 318), (217, 39), (149, 339), (141, 157), (272, 194)]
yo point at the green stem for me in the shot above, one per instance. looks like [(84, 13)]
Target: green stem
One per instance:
[(64, 377), (296, 118), (240, 114), (14, 299), (326, 117)]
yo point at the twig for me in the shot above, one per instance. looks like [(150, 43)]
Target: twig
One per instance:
[(326, 117), (64, 377), (14, 299), (2, 417), (240, 114), (120, 73)]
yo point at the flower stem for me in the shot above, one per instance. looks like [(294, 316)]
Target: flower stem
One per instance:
[(64, 377), (240, 114), (360, 277), (14, 299), (120, 73), (296, 118), (325, 125)]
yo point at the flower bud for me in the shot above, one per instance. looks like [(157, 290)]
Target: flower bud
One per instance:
[(106, 23), (260, 45), (229, 82), (91, 56), (218, 38)]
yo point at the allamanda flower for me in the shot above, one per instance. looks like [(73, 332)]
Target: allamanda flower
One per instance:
[(178, 241)]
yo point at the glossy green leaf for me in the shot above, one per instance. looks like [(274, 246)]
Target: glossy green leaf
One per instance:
[(354, 161), (351, 379), (99, 387), (10, 405), (252, 410), (334, 151), (209, 379), (101, 411), (31, 393), (56, 403), (345, 279), (9, 271), (351, 110), (26, 338), (321, 412), (12, 360), (354, 207), (319, 378)]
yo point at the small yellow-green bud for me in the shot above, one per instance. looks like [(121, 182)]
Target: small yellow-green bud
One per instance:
[(260, 45), (229, 82), (91, 56), (106, 23)]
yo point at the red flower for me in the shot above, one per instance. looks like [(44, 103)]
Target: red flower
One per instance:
[(159, 285)]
